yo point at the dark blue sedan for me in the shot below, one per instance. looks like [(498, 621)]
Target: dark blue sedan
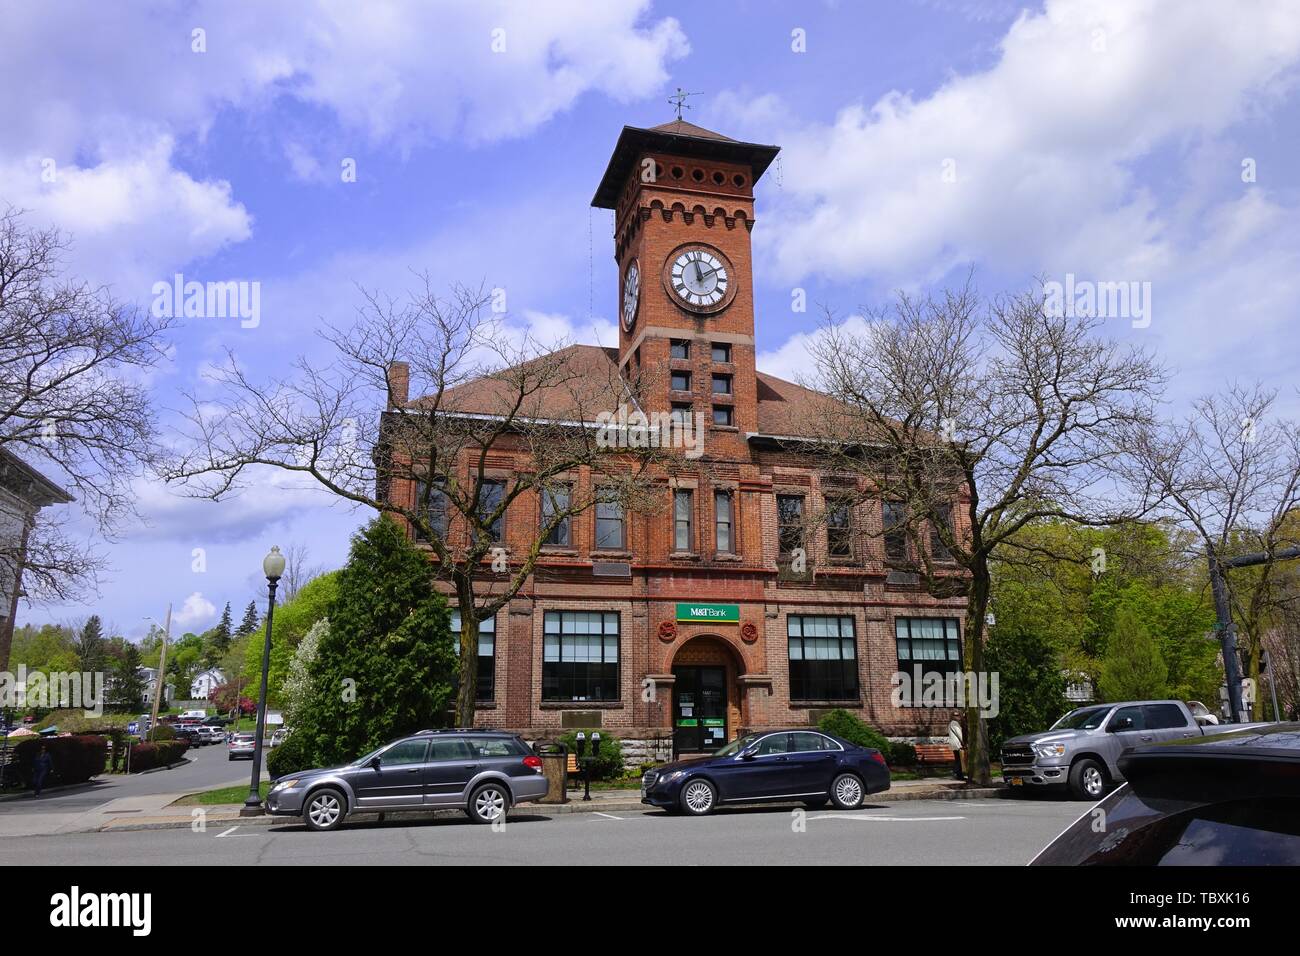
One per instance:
[(801, 765)]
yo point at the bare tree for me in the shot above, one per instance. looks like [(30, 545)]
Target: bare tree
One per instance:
[(1229, 472), (73, 401), (297, 571), (974, 419), (500, 425)]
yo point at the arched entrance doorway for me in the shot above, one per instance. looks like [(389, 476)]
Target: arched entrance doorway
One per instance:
[(706, 696)]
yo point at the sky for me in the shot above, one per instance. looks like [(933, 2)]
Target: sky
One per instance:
[(1103, 140)]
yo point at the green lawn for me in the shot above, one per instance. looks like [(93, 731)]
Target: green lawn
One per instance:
[(225, 795)]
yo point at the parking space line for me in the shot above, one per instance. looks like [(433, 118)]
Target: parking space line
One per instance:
[(865, 816), (227, 832), (607, 816)]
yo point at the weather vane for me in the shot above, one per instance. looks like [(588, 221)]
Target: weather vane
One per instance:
[(678, 100)]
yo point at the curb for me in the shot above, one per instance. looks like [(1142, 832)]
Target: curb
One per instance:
[(227, 817), (170, 766)]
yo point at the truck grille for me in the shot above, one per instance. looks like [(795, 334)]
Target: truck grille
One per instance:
[(1017, 755)]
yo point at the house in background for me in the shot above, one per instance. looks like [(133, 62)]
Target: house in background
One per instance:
[(23, 492), (203, 684), (150, 677)]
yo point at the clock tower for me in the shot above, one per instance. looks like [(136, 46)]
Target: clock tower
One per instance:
[(683, 201)]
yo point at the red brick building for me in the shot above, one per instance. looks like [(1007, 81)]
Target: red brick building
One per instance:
[(675, 631)]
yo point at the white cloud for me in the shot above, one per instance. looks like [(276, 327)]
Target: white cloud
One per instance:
[(195, 610), (132, 217), (272, 499), (792, 360), (1043, 144), (394, 73)]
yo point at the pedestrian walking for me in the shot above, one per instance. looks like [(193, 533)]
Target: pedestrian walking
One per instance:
[(41, 769)]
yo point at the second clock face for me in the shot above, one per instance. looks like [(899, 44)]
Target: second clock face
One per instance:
[(697, 276), (631, 294)]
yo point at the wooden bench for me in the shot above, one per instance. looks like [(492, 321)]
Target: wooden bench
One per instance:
[(933, 753)]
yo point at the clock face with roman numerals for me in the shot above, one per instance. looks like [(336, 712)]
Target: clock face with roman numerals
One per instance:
[(698, 276), (631, 294)]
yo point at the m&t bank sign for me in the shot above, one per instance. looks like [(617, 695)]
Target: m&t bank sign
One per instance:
[(708, 614)]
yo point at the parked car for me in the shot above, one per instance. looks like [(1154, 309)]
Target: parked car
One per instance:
[(1080, 753), (188, 734), (241, 744), (279, 736), (217, 721), (1226, 799), (209, 735), (800, 765), (485, 773)]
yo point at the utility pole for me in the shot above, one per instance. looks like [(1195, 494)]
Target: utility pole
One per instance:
[(1267, 660), (162, 673), (1223, 610)]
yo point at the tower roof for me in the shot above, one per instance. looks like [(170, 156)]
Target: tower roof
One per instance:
[(681, 138)]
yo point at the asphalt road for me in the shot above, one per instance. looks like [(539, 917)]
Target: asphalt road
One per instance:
[(208, 769), (942, 832)]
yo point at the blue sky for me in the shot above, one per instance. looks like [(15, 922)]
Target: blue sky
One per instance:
[(1102, 138)]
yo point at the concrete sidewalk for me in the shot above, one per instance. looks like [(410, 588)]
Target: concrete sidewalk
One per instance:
[(154, 806), (602, 801)]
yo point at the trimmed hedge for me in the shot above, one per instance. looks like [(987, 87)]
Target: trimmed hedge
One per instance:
[(290, 757), (73, 759), (902, 754), (847, 725), (147, 756)]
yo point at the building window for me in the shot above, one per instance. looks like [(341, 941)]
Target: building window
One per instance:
[(789, 516), (683, 501), (721, 352), (932, 642), (555, 501), (839, 528), (723, 523), (721, 384), (680, 349), (680, 416), (580, 656), (489, 499), (938, 550), (681, 381), (723, 415), (895, 534), (823, 658), (431, 501), (610, 526), (487, 641)]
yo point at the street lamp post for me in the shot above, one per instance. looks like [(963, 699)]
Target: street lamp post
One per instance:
[(272, 567)]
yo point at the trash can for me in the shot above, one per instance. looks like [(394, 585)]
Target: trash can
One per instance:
[(555, 768)]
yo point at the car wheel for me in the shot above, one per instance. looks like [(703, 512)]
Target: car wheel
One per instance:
[(488, 803), (847, 792), (698, 797), (1088, 780), (325, 809)]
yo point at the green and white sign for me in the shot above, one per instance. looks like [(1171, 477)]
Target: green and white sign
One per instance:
[(708, 613)]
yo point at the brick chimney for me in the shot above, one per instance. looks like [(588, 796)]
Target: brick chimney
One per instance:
[(399, 384)]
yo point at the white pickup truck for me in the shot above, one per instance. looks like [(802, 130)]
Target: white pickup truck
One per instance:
[(1081, 750)]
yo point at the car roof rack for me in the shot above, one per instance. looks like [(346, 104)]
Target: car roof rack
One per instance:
[(461, 730)]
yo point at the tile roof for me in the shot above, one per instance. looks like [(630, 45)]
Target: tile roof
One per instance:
[(591, 385)]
